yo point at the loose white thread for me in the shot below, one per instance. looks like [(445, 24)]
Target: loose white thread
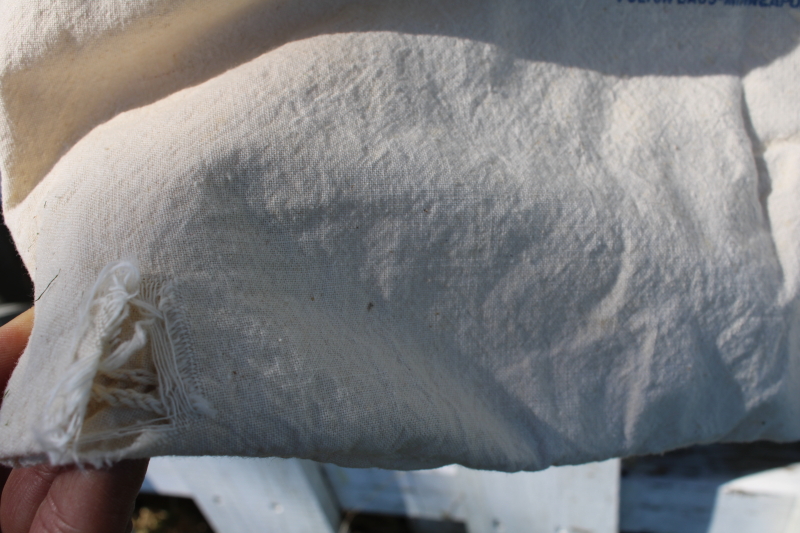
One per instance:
[(100, 352), (138, 376), (130, 398)]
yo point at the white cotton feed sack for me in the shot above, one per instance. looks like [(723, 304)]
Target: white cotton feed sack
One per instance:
[(507, 233)]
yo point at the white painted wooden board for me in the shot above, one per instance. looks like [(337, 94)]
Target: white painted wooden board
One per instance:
[(244, 495), (674, 493), (767, 502), (573, 499), (164, 477), (677, 492)]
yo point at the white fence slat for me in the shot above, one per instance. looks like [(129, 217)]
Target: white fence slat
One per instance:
[(567, 499), (557, 500), (767, 502), (164, 478), (245, 495), (660, 495)]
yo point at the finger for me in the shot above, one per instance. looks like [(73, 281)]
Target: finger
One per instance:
[(24, 491), (65, 499), (13, 339), (91, 501)]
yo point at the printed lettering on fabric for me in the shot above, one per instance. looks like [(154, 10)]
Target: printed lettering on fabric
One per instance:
[(731, 3)]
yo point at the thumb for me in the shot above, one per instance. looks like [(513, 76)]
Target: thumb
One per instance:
[(13, 339)]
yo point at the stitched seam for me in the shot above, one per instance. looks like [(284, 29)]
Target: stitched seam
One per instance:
[(101, 374)]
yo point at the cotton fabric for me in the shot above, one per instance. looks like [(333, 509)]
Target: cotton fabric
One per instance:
[(508, 234)]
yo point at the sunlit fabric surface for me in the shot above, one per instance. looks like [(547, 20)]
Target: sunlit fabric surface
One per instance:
[(507, 234)]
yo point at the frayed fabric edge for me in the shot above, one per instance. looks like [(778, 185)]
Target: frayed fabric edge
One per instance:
[(171, 394)]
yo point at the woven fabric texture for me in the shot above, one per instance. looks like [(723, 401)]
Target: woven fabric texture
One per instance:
[(507, 233)]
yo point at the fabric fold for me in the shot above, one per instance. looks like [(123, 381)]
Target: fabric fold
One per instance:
[(503, 234)]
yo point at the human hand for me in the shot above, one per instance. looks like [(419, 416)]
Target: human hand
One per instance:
[(61, 499)]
